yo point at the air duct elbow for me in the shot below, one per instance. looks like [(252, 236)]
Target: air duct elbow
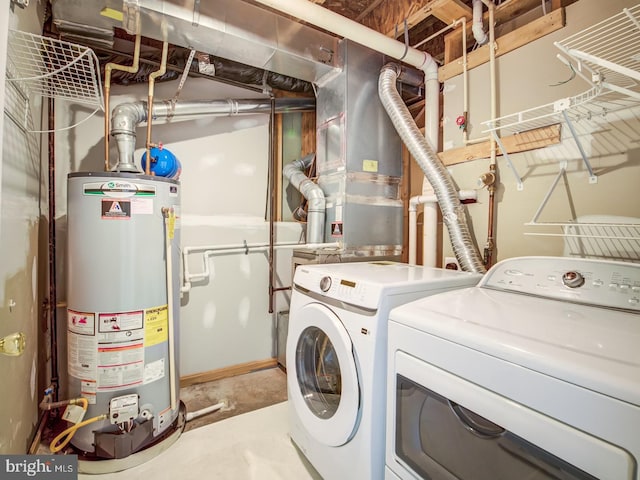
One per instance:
[(316, 203)]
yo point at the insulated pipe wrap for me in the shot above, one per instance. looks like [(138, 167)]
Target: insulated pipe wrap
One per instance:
[(453, 212), (316, 202)]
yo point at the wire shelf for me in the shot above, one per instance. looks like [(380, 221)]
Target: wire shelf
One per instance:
[(598, 236), (52, 68), (604, 120), (610, 48)]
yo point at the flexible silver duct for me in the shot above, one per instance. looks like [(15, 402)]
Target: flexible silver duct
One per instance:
[(294, 171), (127, 116), (453, 212)]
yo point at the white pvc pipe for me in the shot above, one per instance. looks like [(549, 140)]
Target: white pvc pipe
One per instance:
[(342, 26), (492, 75), (203, 411), (478, 28), (429, 225), (170, 304), (432, 134), (212, 250)]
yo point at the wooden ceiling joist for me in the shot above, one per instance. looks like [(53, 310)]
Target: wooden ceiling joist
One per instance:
[(389, 16), (448, 11), (532, 31)]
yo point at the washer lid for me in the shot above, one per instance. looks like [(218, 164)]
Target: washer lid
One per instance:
[(592, 347)]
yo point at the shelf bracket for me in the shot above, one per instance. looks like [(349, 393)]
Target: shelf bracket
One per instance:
[(506, 157), (545, 200), (592, 177)]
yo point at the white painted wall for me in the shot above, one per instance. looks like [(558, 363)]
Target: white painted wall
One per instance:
[(22, 219), (224, 321), (524, 79)]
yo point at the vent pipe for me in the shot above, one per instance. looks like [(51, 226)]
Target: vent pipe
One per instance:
[(478, 27), (453, 212), (312, 192), (126, 117)]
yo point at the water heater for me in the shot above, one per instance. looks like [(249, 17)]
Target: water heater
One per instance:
[(123, 308)]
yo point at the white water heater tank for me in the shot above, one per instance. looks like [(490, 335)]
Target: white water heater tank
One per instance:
[(123, 307)]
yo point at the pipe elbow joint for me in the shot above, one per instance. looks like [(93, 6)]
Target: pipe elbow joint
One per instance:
[(479, 34), (126, 116)]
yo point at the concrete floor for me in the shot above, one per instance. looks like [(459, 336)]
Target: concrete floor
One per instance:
[(242, 394), (251, 446)]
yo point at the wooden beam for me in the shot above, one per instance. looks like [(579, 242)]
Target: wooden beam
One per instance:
[(308, 132), (227, 372), (503, 13), (511, 41), (520, 142), (390, 15), (448, 11)]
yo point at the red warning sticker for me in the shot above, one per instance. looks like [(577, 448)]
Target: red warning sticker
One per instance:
[(336, 229), (116, 209)]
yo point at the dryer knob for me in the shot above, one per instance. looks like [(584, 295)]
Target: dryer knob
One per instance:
[(325, 283), (573, 279)]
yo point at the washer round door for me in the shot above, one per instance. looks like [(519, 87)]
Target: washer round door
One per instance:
[(322, 377)]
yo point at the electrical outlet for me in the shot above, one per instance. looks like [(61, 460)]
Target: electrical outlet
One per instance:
[(451, 263)]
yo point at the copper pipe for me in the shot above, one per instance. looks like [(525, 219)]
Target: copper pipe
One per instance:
[(272, 200), (152, 81), (490, 246), (107, 91), (52, 302)]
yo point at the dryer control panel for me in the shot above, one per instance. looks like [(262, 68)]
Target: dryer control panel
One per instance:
[(593, 282)]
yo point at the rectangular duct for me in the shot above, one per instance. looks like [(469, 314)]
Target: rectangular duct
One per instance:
[(359, 157), (229, 29)]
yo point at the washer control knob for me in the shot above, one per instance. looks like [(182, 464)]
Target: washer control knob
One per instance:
[(325, 283), (573, 279)]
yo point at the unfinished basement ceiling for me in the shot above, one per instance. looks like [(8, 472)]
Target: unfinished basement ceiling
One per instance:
[(81, 22)]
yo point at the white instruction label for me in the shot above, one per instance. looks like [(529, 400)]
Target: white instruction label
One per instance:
[(120, 362), (154, 371)]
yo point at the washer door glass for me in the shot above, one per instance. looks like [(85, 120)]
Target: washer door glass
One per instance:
[(318, 371), (323, 382)]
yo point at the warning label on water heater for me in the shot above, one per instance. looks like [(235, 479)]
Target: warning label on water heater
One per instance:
[(116, 209)]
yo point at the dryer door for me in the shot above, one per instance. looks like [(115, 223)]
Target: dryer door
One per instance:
[(322, 377)]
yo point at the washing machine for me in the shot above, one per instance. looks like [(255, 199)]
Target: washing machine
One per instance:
[(336, 358), (534, 373)]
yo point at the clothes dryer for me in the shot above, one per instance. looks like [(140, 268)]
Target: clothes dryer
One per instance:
[(534, 373), (336, 358)]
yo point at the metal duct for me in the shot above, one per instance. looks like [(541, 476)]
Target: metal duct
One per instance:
[(453, 212), (230, 29), (126, 117), (294, 171)]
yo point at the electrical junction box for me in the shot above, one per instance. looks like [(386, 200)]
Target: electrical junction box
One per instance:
[(123, 409)]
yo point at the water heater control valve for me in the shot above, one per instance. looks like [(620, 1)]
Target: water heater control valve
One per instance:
[(123, 409)]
